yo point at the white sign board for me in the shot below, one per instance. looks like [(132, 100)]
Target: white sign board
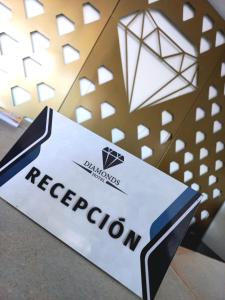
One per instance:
[(120, 213)]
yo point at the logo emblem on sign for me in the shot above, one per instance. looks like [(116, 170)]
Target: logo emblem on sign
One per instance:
[(111, 158)]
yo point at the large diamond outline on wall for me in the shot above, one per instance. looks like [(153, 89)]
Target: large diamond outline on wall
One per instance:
[(159, 63)]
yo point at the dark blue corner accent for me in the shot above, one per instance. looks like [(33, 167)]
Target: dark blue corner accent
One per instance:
[(161, 248), (172, 211), (25, 160), (34, 132), (27, 148), (155, 263)]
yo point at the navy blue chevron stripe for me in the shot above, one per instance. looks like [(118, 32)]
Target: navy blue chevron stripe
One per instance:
[(160, 258), (27, 148)]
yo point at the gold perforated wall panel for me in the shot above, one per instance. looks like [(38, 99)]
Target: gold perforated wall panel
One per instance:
[(47, 57), (182, 125)]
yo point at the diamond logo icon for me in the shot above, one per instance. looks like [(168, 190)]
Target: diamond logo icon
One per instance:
[(111, 158), (159, 63)]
